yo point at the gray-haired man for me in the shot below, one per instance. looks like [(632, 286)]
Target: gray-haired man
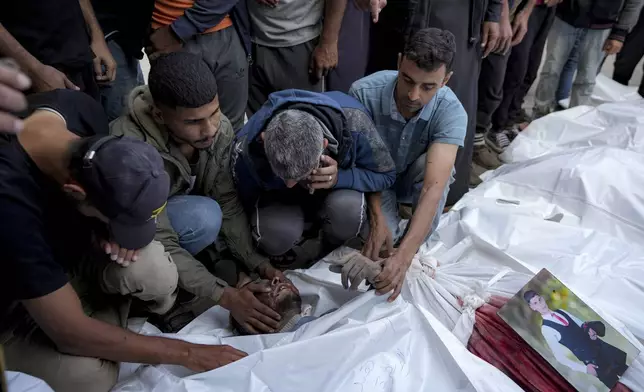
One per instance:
[(304, 161)]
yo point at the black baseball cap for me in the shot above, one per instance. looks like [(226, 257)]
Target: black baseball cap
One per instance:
[(125, 179)]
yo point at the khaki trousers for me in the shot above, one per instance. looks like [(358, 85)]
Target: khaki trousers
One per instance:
[(106, 290)]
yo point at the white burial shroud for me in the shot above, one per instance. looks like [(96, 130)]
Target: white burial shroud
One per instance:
[(571, 202)]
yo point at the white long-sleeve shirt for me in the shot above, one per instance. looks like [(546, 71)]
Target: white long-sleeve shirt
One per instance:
[(553, 337)]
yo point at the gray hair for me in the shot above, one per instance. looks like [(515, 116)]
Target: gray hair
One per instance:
[(293, 141)]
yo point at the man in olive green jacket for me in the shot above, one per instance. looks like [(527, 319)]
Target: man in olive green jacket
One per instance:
[(179, 115)]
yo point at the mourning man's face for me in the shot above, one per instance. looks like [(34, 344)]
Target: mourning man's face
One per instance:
[(196, 127), (416, 87)]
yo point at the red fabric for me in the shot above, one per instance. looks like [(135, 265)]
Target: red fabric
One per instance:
[(495, 342)]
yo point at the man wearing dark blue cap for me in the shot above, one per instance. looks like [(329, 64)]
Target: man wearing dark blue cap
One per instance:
[(70, 194)]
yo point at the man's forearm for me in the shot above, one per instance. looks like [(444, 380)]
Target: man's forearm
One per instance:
[(194, 277), (61, 317), (101, 340), (203, 15), (374, 204), (493, 12), (527, 10), (421, 221), (10, 47), (505, 10), (333, 14), (627, 19), (90, 19)]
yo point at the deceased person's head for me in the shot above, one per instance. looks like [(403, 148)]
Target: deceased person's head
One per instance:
[(282, 298)]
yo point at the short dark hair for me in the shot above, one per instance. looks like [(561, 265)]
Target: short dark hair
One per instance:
[(182, 79), (528, 295), (430, 48)]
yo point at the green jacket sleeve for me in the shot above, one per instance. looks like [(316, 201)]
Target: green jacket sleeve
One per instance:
[(235, 225), (193, 276)]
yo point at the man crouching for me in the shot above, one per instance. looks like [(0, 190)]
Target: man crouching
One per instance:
[(302, 165)]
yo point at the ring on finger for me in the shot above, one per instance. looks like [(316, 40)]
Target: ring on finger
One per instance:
[(330, 178)]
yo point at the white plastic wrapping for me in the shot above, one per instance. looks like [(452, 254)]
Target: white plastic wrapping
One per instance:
[(619, 125), (20, 382), (607, 90), (365, 345), (571, 202)]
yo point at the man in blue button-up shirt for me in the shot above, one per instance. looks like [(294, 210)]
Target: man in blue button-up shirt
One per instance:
[(423, 124)]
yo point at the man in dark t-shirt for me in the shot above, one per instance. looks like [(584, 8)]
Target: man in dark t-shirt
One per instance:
[(59, 44), (78, 213)]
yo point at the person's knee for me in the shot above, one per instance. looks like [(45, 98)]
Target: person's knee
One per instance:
[(278, 229), (86, 374), (207, 222), (153, 277), (64, 372), (344, 215), (197, 221)]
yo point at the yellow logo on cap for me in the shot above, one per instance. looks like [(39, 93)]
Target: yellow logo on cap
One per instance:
[(156, 212)]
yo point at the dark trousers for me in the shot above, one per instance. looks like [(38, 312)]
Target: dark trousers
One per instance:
[(523, 66), (388, 36), (114, 96), (631, 55), (82, 77), (353, 49), (454, 16), (276, 69), (403, 17), (281, 218), (223, 52), (490, 89)]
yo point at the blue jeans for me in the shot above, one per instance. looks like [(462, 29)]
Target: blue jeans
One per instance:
[(568, 74), (407, 190), (196, 220), (128, 76), (561, 43)]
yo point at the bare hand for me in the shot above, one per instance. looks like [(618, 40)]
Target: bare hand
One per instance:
[(505, 35), (379, 235), (324, 177), (163, 40), (520, 28), (490, 37), (102, 60), (251, 313), (270, 3), (613, 46), (323, 60), (591, 369), (121, 255), (48, 78), (393, 275), (374, 6), (267, 271), (203, 358), (12, 82)]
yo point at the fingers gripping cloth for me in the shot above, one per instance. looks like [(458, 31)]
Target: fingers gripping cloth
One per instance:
[(355, 267)]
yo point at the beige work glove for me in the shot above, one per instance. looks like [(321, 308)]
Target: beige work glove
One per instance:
[(354, 267)]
